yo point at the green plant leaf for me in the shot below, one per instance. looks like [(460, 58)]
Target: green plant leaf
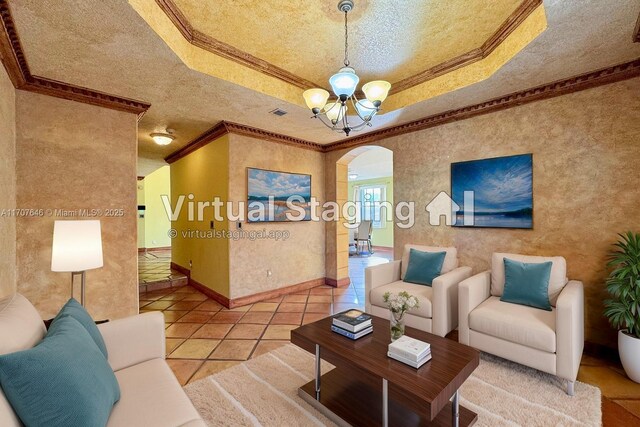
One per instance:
[(623, 284)]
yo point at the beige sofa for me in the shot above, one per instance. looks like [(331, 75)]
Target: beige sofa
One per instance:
[(550, 341), (150, 393), (438, 311)]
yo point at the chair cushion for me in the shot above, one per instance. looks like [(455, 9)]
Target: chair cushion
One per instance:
[(423, 293), (424, 266), (450, 260), (74, 309), (65, 380), (557, 280), (151, 396), (520, 324), (527, 283)]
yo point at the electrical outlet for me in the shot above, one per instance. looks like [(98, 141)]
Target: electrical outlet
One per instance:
[(269, 273), (190, 264)]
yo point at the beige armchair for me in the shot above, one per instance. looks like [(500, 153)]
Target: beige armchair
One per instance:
[(550, 341), (438, 311)]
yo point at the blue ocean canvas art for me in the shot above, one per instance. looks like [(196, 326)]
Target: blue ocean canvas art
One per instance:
[(502, 192), (268, 193)]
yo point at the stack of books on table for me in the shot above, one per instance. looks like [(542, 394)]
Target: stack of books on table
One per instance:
[(410, 351), (352, 324)]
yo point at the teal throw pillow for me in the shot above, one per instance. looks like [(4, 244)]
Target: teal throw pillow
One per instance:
[(527, 283), (424, 267), (64, 381), (74, 309)]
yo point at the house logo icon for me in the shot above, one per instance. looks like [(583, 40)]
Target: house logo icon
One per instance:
[(443, 205)]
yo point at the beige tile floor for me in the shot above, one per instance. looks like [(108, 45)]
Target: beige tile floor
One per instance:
[(154, 271), (204, 338)]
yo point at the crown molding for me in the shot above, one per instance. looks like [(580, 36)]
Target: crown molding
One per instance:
[(227, 51), (577, 83), (71, 92), (15, 62), (272, 136), (636, 31), (223, 128), (210, 44), (205, 138), (512, 22)]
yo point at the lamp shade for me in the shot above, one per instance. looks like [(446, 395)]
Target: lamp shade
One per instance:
[(366, 109), (334, 111), (376, 90), (315, 98), (77, 246), (344, 82)]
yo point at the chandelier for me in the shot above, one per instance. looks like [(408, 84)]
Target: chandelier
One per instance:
[(334, 113)]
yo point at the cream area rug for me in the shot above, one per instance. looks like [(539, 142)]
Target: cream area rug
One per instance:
[(263, 392)]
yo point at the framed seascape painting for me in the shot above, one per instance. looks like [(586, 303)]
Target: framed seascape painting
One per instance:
[(494, 192), (273, 194)]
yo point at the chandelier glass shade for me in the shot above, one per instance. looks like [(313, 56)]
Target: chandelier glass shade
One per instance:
[(335, 113)]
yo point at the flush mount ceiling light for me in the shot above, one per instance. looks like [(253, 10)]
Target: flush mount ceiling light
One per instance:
[(353, 176), (334, 113), (163, 138)]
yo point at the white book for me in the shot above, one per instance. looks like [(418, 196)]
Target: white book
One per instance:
[(410, 362), (409, 348)]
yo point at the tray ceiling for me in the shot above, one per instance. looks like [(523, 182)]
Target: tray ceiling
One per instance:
[(423, 47), (389, 39), (108, 46)]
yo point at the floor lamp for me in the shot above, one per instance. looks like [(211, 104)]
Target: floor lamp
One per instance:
[(77, 247)]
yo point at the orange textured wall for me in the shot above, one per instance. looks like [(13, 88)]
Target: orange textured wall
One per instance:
[(76, 156), (586, 148), (7, 184)]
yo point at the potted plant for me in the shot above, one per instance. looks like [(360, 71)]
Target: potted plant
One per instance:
[(623, 309), (398, 305)]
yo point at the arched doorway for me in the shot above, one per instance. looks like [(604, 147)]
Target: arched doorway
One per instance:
[(364, 174)]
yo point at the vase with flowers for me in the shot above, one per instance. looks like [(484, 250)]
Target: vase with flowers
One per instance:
[(399, 304)]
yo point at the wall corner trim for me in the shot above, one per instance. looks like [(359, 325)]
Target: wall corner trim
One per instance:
[(225, 127)]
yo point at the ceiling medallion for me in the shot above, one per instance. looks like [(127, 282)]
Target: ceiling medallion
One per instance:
[(334, 113)]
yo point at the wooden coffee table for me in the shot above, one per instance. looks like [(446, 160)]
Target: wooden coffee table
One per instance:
[(368, 388)]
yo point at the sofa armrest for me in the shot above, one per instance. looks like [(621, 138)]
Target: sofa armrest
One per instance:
[(570, 330), (134, 339), (379, 275), (471, 293), (445, 300)]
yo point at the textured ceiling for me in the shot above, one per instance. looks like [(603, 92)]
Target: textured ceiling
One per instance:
[(394, 39), (472, 62), (106, 45)]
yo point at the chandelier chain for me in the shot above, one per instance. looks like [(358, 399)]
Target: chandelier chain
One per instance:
[(346, 39), (333, 113)]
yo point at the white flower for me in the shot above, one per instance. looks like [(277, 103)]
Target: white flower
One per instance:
[(400, 302)]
